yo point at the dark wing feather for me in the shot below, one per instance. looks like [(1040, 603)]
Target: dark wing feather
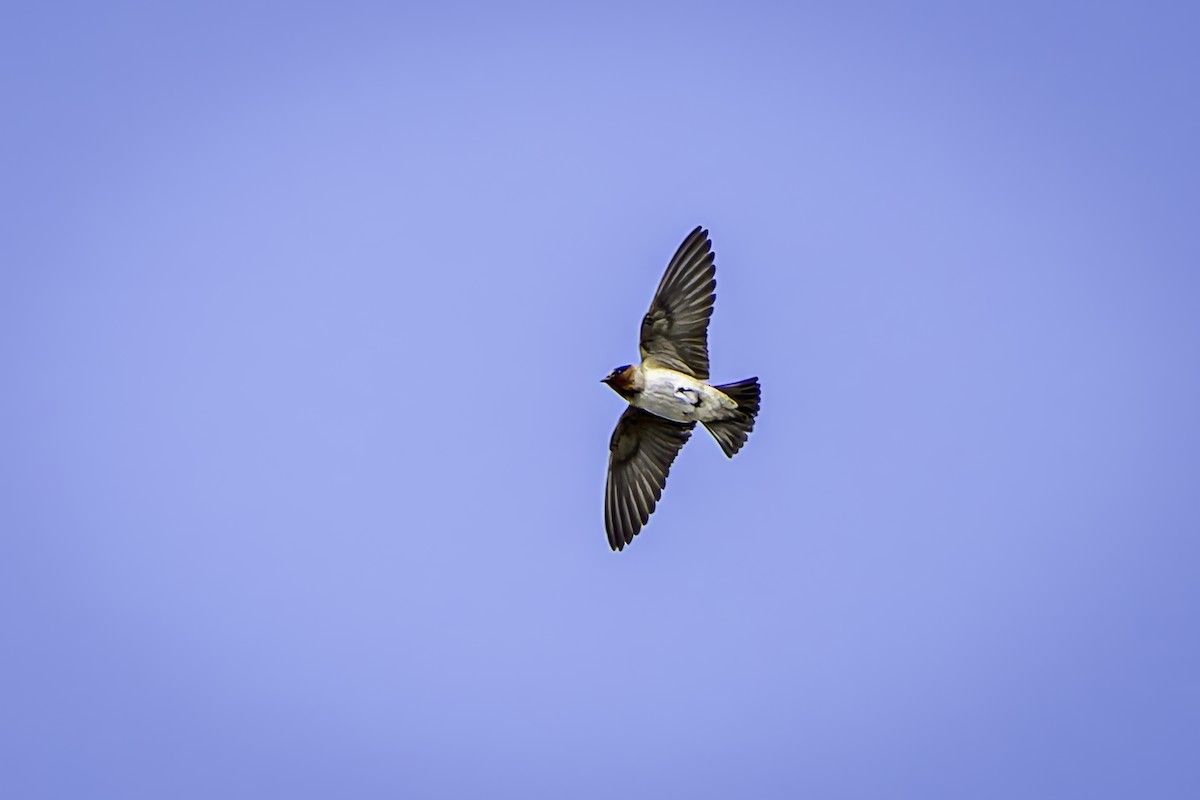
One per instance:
[(640, 455), (675, 330)]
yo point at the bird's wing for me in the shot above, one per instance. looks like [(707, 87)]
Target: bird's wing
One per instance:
[(675, 329), (640, 455)]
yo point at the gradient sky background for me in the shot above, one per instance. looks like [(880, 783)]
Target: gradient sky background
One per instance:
[(302, 317)]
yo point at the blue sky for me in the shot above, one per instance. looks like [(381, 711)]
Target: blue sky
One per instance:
[(302, 317)]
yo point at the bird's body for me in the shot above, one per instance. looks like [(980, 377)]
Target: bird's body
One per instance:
[(669, 392), (680, 397)]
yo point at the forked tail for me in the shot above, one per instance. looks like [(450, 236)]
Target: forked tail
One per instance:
[(731, 433)]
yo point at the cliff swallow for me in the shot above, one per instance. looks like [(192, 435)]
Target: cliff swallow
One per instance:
[(668, 393)]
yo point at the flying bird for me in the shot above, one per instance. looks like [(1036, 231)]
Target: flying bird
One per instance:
[(669, 392)]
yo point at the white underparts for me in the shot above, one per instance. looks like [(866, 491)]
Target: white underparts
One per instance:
[(681, 397)]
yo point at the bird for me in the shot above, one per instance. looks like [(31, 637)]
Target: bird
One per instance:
[(669, 392)]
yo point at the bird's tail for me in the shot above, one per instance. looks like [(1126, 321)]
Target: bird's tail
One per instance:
[(732, 433)]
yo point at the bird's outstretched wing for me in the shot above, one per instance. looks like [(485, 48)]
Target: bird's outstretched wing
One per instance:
[(675, 329), (640, 455)]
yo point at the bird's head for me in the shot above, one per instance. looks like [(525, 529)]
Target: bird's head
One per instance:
[(622, 380)]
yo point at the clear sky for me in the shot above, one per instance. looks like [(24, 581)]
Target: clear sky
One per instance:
[(302, 319)]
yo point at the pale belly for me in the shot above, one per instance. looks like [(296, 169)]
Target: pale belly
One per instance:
[(682, 398)]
